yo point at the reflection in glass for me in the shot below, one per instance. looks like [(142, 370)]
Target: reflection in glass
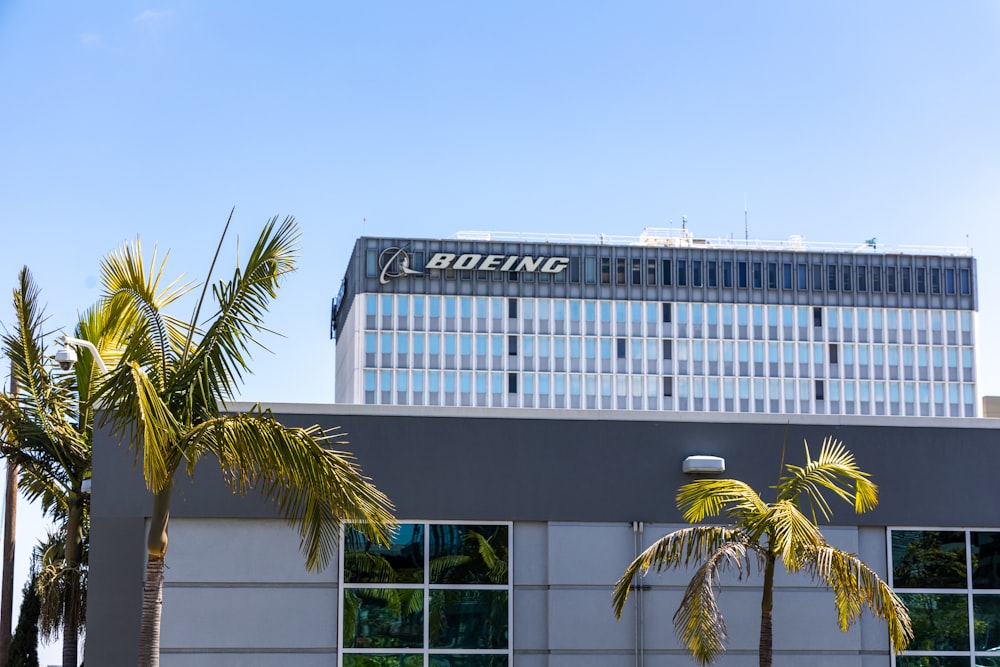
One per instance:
[(986, 621), (468, 619), (468, 661), (403, 563), (383, 617), (987, 661), (932, 661), (928, 559), (382, 660), (986, 560), (461, 554), (940, 621)]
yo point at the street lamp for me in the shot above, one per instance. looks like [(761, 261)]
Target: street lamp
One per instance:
[(66, 356)]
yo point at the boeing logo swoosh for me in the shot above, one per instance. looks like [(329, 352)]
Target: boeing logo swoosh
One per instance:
[(394, 263)]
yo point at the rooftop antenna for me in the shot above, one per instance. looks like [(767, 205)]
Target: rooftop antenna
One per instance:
[(746, 224), (684, 222)]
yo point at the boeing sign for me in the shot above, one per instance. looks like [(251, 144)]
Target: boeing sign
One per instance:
[(395, 263)]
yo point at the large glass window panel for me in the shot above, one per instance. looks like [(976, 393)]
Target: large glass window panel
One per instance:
[(928, 559), (940, 621), (986, 622), (985, 548), (383, 617), (934, 661), (473, 660), (468, 554)]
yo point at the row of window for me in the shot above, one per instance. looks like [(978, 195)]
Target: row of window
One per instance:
[(666, 392), (732, 274), (681, 356), (950, 583), (412, 311)]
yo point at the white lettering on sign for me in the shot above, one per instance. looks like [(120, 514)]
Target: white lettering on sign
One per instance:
[(395, 263)]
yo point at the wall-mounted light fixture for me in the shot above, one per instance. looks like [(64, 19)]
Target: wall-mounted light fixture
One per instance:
[(704, 464)]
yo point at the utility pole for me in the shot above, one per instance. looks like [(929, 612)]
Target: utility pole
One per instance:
[(9, 526)]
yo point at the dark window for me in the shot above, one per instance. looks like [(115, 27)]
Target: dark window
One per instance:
[(668, 386), (713, 279), (650, 271), (862, 278), (786, 276), (620, 271), (667, 311), (963, 281), (833, 353), (605, 270), (727, 274), (831, 277), (512, 346), (847, 279), (668, 349), (758, 275), (817, 316), (904, 278), (949, 281), (696, 273), (636, 271), (512, 308), (574, 270), (921, 280), (512, 276), (772, 275), (890, 279), (803, 276), (511, 383), (819, 390), (666, 272), (741, 275), (936, 281), (620, 343), (876, 278), (682, 272), (817, 276)]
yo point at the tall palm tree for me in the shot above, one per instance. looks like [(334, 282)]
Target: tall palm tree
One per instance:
[(165, 398), (760, 534), (50, 428)]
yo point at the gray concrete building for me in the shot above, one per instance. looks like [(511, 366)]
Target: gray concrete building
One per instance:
[(564, 499)]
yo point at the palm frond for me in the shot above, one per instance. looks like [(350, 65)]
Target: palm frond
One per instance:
[(704, 498), (133, 303), (791, 532), (137, 414), (698, 621), (835, 470), (677, 549), (318, 489), (214, 365), (856, 586)]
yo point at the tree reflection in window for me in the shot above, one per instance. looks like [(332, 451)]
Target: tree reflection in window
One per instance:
[(457, 573)]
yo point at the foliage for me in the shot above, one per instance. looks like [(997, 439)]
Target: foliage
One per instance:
[(23, 651), (166, 395), (759, 534)]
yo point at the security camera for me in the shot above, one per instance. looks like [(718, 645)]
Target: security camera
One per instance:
[(66, 357)]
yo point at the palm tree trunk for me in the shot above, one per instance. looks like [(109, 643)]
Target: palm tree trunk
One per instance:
[(71, 616), (152, 590), (765, 653)]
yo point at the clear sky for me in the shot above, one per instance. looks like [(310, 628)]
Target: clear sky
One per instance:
[(839, 121)]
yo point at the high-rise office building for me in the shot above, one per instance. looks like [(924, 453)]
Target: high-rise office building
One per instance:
[(665, 321)]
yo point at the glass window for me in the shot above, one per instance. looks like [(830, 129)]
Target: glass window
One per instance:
[(772, 275), (650, 271), (831, 277), (605, 270), (590, 270), (666, 272), (620, 271), (713, 278), (786, 276), (727, 274), (682, 272), (947, 578), (696, 273), (741, 275), (758, 275), (457, 571), (964, 280), (862, 276), (802, 276)]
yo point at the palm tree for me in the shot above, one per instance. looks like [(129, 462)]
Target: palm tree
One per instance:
[(759, 535), (165, 399), (50, 427)]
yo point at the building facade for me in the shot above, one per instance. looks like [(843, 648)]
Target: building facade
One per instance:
[(661, 322), (515, 526)]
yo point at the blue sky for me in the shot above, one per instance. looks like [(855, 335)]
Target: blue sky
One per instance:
[(838, 121)]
